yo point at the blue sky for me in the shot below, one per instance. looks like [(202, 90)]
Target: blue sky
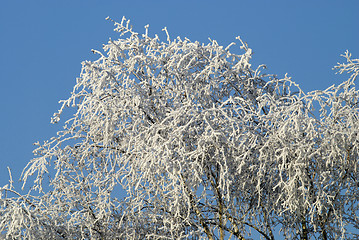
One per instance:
[(44, 42)]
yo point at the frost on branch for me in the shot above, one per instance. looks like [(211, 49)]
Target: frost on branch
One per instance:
[(183, 140)]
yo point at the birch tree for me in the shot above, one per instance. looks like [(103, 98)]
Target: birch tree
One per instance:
[(182, 140)]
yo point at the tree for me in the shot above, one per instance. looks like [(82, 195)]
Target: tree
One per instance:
[(182, 140)]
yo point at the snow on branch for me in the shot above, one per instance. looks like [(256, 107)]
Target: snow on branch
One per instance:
[(184, 140)]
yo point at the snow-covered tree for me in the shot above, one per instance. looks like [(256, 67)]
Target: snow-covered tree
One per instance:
[(183, 140)]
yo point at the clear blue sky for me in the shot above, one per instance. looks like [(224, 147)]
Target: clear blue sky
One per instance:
[(44, 42)]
